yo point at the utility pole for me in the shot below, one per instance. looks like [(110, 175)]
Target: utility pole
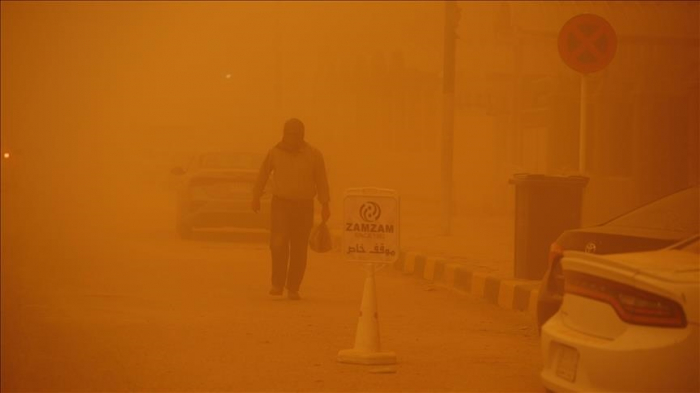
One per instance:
[(452, 15)]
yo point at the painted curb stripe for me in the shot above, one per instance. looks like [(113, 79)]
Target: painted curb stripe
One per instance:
[(419, 266), (478, 284), (439, 269), (514, 294), (463, 279), (521, 300), (492, 286), (429, 271), (532, 304), (506, 293), (449, 274)]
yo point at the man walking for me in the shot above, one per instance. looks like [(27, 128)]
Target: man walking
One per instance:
[(299, 174)]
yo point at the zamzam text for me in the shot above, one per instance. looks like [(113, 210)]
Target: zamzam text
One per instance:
[(364, 227)]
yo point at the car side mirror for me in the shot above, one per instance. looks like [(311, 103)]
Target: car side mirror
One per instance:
[(177, 171)]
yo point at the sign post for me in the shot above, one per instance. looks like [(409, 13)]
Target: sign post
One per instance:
[(370, 236), (583, 126), (587, 43)]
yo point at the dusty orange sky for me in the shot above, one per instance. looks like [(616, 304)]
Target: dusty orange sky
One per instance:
[(131, 87)]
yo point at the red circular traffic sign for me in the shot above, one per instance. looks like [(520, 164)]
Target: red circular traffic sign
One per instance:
[(587, 43)]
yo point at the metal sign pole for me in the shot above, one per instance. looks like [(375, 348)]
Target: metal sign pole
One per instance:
[(448, 91), (586, 51), (583, 125)]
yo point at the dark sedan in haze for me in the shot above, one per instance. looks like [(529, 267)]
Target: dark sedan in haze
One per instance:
[(216, 191), (654, 226)]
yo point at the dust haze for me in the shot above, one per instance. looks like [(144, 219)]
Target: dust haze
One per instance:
[(100, 100)]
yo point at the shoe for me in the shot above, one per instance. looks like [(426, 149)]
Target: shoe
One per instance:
[(293, 295), (276, 291)]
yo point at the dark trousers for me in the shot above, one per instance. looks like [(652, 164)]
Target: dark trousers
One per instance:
[(289, 238)]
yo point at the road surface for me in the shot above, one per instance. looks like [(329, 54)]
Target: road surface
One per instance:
[(99, 301)]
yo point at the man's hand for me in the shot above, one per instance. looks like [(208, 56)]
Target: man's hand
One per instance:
[(325, 212), (255, 205)]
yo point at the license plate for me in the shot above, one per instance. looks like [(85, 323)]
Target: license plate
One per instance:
[(567, 363)]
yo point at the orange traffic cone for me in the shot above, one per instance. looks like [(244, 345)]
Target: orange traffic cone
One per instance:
[(367, 349)]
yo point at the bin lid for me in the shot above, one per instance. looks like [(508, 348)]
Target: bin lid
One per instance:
[(529, 178)]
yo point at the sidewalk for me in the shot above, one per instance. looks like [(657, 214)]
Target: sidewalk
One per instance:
[(484, 244), (477, 259)]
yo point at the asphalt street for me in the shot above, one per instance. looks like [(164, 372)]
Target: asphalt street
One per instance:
[(93, 302)]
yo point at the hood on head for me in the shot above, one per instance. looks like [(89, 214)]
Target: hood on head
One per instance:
[(293, 136)]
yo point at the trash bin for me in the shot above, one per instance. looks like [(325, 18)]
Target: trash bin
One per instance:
[(545, 206)]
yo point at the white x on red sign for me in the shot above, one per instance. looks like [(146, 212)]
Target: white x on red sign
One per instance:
[(587, 43)]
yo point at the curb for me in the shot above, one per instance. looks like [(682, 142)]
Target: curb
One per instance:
[(508, 293)]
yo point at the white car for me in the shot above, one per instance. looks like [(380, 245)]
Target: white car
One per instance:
[(216, 190), (628, 323)]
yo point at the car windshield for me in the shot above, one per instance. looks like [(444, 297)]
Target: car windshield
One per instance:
[(230, 161), (677, 212)]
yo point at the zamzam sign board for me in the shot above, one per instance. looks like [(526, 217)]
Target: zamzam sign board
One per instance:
[(371, 225), (587, 43)]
